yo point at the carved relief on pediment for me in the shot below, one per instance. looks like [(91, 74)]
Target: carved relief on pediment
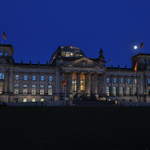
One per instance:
[(84, 62)]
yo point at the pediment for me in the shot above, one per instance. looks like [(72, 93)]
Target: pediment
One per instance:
[(84, 62)]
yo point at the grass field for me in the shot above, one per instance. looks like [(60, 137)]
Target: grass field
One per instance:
[(75, 127)]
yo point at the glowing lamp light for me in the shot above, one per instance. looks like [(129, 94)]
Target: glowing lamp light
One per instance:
[(135, 47)]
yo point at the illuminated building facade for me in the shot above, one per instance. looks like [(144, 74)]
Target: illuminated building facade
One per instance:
[(69, 74)]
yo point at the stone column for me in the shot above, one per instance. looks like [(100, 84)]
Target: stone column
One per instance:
[(89, 84), (78, 82), (57, 87), (95, 83)]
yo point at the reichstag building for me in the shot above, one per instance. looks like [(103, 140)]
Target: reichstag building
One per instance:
[(69, 74)]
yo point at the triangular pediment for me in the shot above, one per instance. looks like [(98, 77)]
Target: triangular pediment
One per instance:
[(84, 62)]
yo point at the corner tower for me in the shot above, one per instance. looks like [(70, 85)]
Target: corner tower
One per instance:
[(6, 54)]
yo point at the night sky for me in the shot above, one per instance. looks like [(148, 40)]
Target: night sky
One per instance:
[(37, 27)]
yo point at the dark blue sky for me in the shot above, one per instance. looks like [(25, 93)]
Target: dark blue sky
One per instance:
[(37, 27)]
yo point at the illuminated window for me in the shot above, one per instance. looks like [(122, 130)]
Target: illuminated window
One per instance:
[(135, 81), (1, 88), (24, 100), (107, 80), (128, 81), (50, 78), (67, 54), (1, 54), (25, 77), (33, 100), (25, 91), (74, 82), (1, 76), (41, 91), (42, 99), (108, 91), (148, 81), (114, 80), (41, 86), (42, 78), (63, 53), (50, 91), (25, 85), (33, 77), (33, 91), (82, 82), (33, 86), (17, 77), (16, 91), (16, 85), (121, 80), (71, 54)]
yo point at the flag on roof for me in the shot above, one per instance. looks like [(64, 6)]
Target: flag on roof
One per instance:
[(136, 67), (142, 45)]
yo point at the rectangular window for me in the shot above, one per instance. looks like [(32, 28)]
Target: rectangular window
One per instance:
[(16, 85), (25, 85), (42, 78), (50, 78), (33, 100), (25, 77), (33, 77), (25, 91), (129, 81), (24, 100), (108, 91), (134, 81), (114, 91), (121, 80), (33, 91), (74, 85), (107, 80), (148, 81), (16, 91), (120, 91), (41, 86), (33, 86), (50, 92), (114, 80), (41, 91), (17, 77), (1, 76)]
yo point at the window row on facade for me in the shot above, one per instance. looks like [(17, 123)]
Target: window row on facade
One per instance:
[(32, 100), (32, 86), (121, 80), (33, 77), (120, 91), (33, 91)]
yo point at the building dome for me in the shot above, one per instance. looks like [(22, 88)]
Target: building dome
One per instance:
[(67, 52)]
